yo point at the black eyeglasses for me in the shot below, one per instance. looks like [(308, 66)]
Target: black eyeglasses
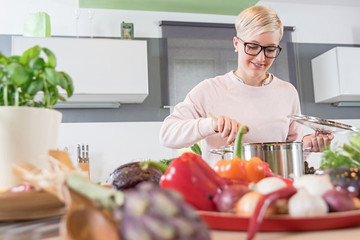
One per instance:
[(254, 49)]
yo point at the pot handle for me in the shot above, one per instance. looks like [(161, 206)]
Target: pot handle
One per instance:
[(219, 151)]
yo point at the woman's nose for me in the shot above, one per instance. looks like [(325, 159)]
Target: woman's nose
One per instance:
[(261, 55)]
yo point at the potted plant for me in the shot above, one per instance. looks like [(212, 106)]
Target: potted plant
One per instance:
[(29, 88)]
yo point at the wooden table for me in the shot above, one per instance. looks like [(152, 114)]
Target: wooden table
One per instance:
[(348, 233), (47, 229)]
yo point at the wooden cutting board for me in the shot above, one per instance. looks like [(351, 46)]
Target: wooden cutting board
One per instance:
[(29, 205)]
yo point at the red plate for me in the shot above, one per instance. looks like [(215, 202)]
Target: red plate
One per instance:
[(285, 223)]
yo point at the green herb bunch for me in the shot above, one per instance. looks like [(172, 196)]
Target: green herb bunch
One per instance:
[(343, 155), (23, 77)]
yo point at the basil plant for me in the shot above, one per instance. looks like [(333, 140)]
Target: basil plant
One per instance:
[(23, 77)]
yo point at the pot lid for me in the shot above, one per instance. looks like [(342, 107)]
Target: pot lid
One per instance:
[(322, 125)]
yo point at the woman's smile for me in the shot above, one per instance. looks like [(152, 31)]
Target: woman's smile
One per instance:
[(257, 65)]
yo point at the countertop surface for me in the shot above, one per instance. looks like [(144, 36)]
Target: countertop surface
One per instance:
[(47, 229)]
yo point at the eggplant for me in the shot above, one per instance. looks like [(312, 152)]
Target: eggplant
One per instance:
[(131, 174)]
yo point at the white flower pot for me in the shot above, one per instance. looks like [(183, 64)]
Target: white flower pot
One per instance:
[(26, 135)]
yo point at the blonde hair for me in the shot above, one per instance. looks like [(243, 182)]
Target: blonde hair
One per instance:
[(256, 20)]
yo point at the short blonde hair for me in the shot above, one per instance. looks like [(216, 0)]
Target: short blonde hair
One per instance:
[(256, 20)]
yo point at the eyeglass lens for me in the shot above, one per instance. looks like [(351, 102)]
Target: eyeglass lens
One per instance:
[(254, 49)]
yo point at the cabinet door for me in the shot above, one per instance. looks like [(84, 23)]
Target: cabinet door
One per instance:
[(101, 69)]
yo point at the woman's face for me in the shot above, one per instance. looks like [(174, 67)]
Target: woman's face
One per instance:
[(252, 68)]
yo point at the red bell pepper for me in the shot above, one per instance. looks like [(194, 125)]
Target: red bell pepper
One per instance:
[(263, 204), (190, 175)]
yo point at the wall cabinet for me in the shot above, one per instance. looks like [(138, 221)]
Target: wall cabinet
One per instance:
[(103, 70), (336, 75)]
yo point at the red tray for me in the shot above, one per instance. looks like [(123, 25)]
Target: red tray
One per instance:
[(282, 223)]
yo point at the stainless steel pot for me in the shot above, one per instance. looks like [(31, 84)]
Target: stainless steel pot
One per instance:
[(284, 158)]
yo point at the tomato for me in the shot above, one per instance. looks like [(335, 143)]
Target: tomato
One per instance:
[(231, 168), (255, 169)]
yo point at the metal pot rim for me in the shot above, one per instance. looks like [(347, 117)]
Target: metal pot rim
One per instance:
[(230, 148)]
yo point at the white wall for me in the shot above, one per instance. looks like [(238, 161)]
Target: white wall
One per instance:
[(314, 23), (113, 144), (320, 23)]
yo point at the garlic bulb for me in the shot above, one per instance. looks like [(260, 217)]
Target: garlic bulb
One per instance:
[(314, 184), (304, 204)]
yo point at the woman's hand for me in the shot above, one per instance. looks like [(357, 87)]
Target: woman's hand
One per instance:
[(317, 142), (228, 127)]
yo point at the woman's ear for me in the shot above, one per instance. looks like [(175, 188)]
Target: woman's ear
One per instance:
[(236, 43)]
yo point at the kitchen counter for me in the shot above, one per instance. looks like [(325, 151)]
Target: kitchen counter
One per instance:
[(47, 229)]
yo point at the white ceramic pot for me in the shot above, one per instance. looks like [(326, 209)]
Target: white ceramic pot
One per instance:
[(26, 135)]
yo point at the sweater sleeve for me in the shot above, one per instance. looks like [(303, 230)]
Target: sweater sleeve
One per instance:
[(187, 125), (295, 129)]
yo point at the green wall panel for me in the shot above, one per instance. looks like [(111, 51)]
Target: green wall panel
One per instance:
[(224, 7)]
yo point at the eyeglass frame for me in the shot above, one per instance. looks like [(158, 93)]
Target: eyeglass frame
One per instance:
[(261, 48)]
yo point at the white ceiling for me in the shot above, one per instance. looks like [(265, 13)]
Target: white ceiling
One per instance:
[(320, 2)]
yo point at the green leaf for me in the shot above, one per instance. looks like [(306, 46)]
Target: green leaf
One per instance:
[(70, 86), (54, 97), (62, 98), (30, 54), (51, 76), (355, 141), (14, 59), (51, 58), (62, 80), (35, 86), (37, 64), (1, 73), (196, 149), (16, 73), (3, 59)]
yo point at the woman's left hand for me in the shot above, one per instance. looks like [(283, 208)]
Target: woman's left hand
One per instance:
[(317, 142)]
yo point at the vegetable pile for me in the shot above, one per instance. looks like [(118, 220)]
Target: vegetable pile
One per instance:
[(166, 209), (249, 188)]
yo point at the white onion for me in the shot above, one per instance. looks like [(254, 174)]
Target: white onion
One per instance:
[(268, 185)]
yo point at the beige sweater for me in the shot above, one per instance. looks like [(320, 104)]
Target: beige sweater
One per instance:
[(264, 110)]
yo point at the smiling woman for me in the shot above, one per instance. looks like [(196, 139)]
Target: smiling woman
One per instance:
[(259, 99), (186, 6)]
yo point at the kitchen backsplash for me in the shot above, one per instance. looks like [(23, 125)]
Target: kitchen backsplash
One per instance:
[(113, 144)]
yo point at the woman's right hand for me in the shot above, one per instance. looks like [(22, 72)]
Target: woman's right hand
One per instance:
[(227, 127)]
